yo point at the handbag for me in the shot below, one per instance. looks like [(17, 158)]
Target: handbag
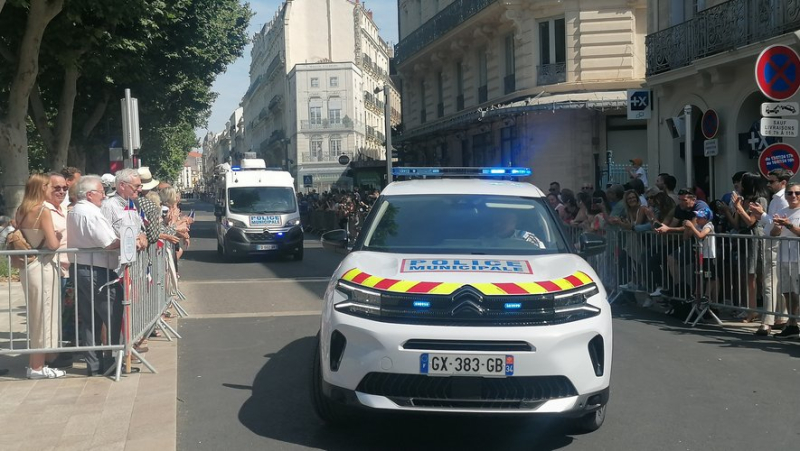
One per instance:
[(16, 242)]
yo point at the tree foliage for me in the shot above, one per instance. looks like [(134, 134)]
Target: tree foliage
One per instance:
[(167, 52)]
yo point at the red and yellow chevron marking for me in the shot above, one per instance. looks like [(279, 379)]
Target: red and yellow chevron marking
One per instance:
[(359, 277)]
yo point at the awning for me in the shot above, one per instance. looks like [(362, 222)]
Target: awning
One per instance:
[(597, 99)]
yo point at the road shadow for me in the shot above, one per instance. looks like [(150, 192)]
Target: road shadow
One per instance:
[(280, 408)]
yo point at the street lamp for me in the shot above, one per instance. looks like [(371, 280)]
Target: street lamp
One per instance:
[(388, 124)]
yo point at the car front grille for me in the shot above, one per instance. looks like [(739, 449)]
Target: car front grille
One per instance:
[(466, 392), (265, 236)]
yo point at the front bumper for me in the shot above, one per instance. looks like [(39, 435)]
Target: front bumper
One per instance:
[(251, 241), (371, 364)]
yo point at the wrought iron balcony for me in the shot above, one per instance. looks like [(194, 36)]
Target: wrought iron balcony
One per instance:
[(326, 125), (727, 26), (550, 74), (447, 19)]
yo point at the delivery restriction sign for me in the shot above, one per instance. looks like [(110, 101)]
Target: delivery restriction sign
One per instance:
[(778, 156), (778, 72)]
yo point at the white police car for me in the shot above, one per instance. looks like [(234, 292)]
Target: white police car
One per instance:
[(464, 295)]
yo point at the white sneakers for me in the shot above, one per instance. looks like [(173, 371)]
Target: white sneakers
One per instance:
[(45, 373), (657, 292)]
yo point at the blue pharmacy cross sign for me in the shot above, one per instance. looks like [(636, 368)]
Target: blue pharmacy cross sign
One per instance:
[(710, 124), (640, 100), (778, 72)]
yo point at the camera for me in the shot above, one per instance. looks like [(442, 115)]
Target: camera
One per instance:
[(657, 224)]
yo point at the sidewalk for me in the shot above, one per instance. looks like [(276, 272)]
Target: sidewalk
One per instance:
[(137, 413)]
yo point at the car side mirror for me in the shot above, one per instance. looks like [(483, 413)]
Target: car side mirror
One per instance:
[(335, 240), (219, 211), (591, 244)]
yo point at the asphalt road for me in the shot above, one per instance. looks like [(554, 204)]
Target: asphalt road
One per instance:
[(245, 359)]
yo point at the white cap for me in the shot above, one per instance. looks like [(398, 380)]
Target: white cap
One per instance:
[(107, 179)]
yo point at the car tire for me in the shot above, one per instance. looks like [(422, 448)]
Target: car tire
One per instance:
[(329, 411), (591, 421)]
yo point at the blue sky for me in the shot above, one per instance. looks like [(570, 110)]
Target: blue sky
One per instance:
[(233, 83)]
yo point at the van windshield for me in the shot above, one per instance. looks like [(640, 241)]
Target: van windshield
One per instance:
[(261, 200)]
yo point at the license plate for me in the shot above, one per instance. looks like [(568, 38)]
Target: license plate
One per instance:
[(266, 247), (466, 364), (265, 220)]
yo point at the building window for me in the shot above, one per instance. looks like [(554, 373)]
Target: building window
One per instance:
[(440, 94), (510, 78), (335, 147), (334, 82), (335, 110), (552, 51), (483, 77), (316, 148), (314, 82), (459, 86), (315, 115), (422, 98)]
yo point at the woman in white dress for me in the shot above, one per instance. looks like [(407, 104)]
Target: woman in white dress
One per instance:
[(39, 278)]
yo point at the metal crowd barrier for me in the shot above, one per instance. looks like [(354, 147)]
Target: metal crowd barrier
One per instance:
[(34, 320), (750, 276)]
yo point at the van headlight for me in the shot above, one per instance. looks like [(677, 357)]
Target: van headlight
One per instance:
[(358, 301), (235, 223), (293, 222)]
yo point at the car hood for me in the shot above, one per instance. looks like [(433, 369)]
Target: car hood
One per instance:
[(444, 274)]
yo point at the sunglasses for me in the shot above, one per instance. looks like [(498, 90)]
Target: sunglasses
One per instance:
[(793, 193), (61, 188)]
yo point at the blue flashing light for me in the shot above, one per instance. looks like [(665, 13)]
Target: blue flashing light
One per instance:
[(422, 304), (236, 168), (279, 233), (461, 172), (512, 305)]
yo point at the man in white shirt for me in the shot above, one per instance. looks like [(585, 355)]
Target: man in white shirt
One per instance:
[(87, 228), (777, 180), (121, 205), (786, 223)]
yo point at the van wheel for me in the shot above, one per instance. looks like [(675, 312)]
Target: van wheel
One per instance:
[(591, 421), (332, 413)]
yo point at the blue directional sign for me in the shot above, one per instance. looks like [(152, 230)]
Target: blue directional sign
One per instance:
[(308, 180), (778, 72)]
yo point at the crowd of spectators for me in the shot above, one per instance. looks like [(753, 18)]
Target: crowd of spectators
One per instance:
[(349, 207), (64, 210), (686, 231)]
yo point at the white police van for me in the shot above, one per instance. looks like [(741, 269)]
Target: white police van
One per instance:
[(256, 211), (463, 295)]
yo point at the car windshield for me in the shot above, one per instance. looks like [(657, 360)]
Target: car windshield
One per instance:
[(462, 224), (261, 200)]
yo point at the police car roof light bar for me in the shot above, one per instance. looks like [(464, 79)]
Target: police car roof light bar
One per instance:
[(460, 172)]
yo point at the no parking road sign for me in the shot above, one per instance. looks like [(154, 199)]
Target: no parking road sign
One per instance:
[(778, 72), (709, 124), (778, 156)]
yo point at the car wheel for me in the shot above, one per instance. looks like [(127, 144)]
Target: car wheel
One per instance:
[(591, 421), (332, 413)]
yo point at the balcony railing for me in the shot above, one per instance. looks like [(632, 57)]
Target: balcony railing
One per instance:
[(326, 125), (550, 74), (727, 26), (321, 157), (452, 16)]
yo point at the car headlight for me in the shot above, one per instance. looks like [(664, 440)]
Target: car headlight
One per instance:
[(293, 222), (358, 301), (235, 223), (575, 302)]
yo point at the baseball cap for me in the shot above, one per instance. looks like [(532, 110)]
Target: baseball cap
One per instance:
[(704, 213), (107, 179)]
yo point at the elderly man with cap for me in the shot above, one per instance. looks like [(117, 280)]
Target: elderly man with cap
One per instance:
[(636, 171)]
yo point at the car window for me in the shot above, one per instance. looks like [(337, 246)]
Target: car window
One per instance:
[(462, 224)]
